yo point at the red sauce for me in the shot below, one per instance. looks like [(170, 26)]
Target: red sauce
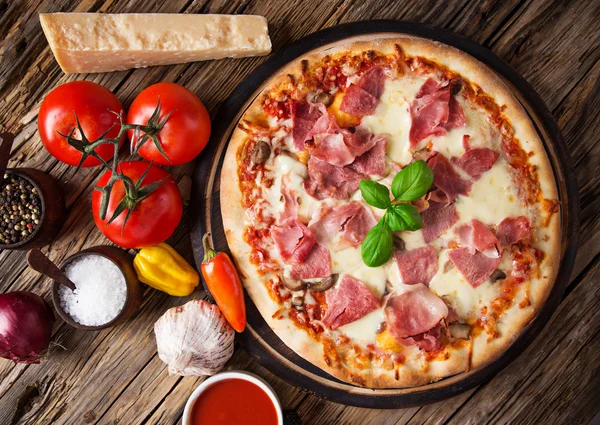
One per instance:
[(233, 401)]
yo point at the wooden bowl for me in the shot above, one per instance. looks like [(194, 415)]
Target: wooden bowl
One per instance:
[(124, 261), (53, 209)]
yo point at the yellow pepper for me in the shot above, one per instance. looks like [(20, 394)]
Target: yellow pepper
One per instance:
[(162, 268)]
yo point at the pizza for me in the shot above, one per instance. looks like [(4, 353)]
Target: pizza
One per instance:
[(460, 286)]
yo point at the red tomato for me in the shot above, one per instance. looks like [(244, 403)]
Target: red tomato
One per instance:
[(93, 105), (186, 131), (153, 219)]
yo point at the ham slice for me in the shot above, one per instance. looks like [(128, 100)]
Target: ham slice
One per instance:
[(348, 223), (372, 162), (359, 102), (316, 264), (359, 140), (328, 181), (373, 81), (477, 161), (446, 178), (417, 265), (437, 219), (428, 341), (476, 268), (362, 98), (347, 302), (478, 237), (513, 229), (429, 87), (326, 124), (330, 147), (304, 117), (414, 312), (293, 240), (434, 111), (428, 114), (340, 147), (456, 115)]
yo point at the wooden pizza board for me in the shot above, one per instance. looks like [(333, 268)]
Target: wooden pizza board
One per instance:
[(258, 338)]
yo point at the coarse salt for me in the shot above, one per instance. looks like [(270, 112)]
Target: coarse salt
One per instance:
[(100, 294)]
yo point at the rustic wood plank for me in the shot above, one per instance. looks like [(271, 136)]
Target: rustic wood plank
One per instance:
[(438, 413), (480, 20), (578, 118), (544, 44), (213, 81)]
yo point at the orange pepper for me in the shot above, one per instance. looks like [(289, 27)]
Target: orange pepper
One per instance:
[(223, 282)]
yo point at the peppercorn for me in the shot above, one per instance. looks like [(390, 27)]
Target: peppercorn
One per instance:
[(19, 209)]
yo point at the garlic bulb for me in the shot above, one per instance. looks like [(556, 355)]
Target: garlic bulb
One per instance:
[(194, 339)]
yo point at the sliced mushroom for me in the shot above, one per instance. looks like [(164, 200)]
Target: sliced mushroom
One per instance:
[(388, 288), (324, 284), (321, 97), (459, 330), (398, 243), (260, 153), (292, 284), (497, 275), (455, 86), (298, 302), (421, 154)]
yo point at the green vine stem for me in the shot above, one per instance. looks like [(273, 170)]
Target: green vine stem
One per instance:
[(134, 192)]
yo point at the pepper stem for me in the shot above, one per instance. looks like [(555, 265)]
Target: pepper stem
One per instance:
[(209, 253)]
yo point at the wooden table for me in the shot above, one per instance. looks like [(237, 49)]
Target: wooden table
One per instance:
[(115, 377)]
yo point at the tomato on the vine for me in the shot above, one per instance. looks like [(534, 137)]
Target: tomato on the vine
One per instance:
[(147, 217), (95, 106), (184, 133)]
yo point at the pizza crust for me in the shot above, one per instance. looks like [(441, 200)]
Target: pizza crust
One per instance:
[(459, 360)]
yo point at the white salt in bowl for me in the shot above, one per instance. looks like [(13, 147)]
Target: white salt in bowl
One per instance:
[(133, 298)]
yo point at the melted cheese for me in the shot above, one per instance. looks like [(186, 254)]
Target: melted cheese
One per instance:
[(478, 129), (364, 330), (350, 261), (392, 116), (295, 173), (492, 198), (454, 288)]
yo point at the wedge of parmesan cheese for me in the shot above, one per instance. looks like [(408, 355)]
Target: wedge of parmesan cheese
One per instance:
[(97, 42)]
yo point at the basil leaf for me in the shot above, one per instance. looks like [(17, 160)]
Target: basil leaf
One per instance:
[(395, 220), (377, 247), (403, 217), (412, 182), (375, 194)]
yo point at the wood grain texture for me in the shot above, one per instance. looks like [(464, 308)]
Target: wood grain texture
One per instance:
[(114, 376)]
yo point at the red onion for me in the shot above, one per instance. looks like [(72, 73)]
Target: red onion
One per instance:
[(25, 326)]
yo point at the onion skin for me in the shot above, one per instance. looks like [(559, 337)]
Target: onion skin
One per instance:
[(25, 326)]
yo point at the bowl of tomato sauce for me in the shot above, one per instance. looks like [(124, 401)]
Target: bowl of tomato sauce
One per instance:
[(236, 397)]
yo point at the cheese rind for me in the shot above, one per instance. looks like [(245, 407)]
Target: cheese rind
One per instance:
[(98, 42)]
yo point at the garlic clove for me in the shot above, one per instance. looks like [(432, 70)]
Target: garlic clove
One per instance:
[(194, 339)]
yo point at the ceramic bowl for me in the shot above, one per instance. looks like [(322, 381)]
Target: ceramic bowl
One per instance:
[(256, 380)]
